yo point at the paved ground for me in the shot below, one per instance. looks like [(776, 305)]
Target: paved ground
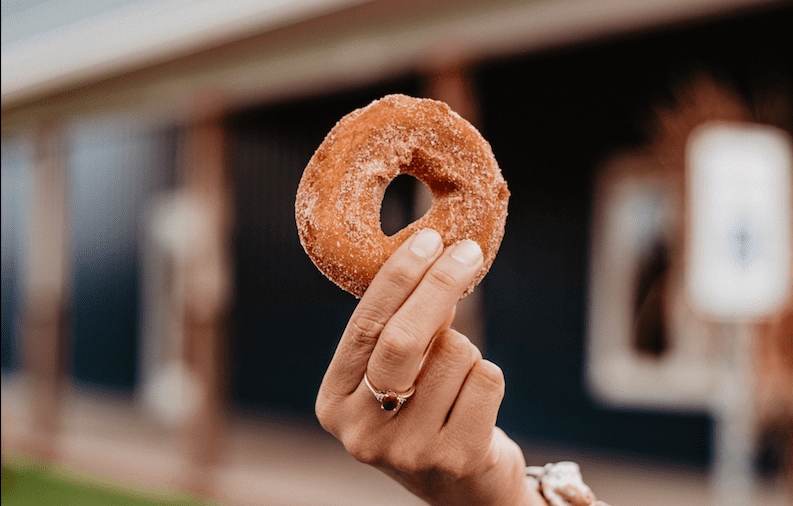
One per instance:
[(281, 462)]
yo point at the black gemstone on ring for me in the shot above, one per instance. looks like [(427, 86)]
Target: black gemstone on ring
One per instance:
[(389, 403)]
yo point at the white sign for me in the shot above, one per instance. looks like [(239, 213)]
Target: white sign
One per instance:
[(738, 220)]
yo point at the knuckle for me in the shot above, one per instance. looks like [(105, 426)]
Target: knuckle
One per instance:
[(456, 342), (323, 413), (442, 278), (458, 469), (362, 450), (395, 346), (476, 352), (366, 324), (401, 276), (320, 409), (455, 346), (409, 462), (489, 376)]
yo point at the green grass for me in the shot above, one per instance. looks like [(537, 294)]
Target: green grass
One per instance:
[(42, 485)]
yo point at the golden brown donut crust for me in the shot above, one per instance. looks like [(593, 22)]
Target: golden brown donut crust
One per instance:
[(339, 197)]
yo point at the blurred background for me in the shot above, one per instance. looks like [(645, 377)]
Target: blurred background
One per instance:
[(163, 333)]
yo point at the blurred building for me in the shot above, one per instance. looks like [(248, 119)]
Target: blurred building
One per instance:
[(159, 314)]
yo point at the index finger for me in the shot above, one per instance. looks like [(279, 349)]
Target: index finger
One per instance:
[(389, 289)]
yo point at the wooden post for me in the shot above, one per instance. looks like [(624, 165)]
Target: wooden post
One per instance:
[(448, 81), (208, 286), (46, 298)]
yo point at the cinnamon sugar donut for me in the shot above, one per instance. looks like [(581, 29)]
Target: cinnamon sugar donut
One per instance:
[(339, 197)]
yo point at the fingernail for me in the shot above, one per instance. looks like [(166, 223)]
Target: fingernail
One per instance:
[(426, 243), (467, 252)]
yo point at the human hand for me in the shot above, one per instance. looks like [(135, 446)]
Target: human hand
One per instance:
[(443, 444)]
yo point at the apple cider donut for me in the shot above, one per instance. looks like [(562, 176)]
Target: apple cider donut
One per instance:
[(340, 194)]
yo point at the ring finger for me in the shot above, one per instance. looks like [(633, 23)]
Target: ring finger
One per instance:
[(449, 360)]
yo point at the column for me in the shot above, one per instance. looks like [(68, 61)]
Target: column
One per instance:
[(46, 297)]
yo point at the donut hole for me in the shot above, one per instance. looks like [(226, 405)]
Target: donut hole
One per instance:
[(406, 200)]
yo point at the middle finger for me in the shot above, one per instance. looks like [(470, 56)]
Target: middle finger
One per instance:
[(397, 356)]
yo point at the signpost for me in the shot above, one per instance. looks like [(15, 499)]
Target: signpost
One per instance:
[(738, 271)]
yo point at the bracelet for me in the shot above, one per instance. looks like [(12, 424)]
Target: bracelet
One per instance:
[(561, 484)]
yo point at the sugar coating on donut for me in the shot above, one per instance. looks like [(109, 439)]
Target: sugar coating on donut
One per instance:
[(338, 202)]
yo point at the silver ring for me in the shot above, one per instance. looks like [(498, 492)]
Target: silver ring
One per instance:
[(388, 399)]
